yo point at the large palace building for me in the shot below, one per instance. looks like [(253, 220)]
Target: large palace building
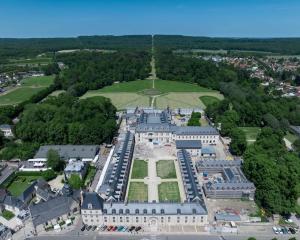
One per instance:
[(109, 206)]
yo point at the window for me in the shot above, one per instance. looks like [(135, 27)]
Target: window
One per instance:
[(105, 219), (127, 219), (178, 219), (145, 219), (201, 219), (169, 219), (194, 219), (114, 219), (90, 206), (137, 219), (162, 219)]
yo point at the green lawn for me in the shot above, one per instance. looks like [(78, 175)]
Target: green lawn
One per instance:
[(20, 183), (43, 81), (168, 191), (30, 86), (138, 191), (207, 100), (139, 169), (251, 133), (163, 86), (166, 169), (37, 60), (7, 215)]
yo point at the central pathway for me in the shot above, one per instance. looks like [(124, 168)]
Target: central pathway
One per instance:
[(153, 181)]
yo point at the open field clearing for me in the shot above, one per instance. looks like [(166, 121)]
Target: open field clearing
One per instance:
[(168, 191), (251, 133), (166, 169), (30, 86), (44, 81), (185, 100), (122, 100), (138, 191), (207, 100), (139, 169), (30, 61), (56, 93)]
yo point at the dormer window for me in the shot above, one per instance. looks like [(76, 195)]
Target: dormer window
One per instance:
[(90, 206)]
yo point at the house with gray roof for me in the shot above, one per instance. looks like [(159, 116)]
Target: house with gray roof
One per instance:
[(225, 179), (85, 153), (6, 130), (192, 146), (52, 211), (75, 167)]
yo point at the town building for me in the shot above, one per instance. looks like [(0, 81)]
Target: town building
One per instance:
[(85, 153), (191, 146), (75, 167), (225, 179)]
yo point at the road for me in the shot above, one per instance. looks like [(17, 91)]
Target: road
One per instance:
[(6, 172), (160, 237)]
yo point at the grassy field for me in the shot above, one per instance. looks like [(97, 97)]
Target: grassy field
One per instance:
[(29, 87), (121, 100), (168, 93), (30, 61), (56, 93), (251, 133), (184, 100), (139, 169), (168, 191), (166, 169), (20, 183), (207, 100), (138, 191)]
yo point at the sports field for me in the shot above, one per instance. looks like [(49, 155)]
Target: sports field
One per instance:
[(167, 94), (166, 169), (139, 169), (138, 191), (28, 88), (168, 191)]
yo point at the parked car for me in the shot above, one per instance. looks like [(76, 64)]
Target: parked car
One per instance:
[(120, 229), (88, 228), (94, 228), (275, 230), (138, 228), (82, 228), (131, 228), (292, 230), (110, 228), (114, 228)]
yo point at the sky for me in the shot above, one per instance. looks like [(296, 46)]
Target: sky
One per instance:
[(215, 18)]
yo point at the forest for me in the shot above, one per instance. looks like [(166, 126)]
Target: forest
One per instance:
[(31, 47), (271, 45), (267, 162), (91, 70)]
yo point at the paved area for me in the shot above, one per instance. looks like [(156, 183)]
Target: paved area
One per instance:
[(57, 182), (6, 172)]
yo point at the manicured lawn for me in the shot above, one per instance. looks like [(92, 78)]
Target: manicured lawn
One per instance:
[(207, 100), (185, 99), (133, 86), (91, 172), (166, 169), (121, 100), (7, 215), (138, 191), (251, 133), (166, 86), (139, 169), (20, 183), (168, 191)]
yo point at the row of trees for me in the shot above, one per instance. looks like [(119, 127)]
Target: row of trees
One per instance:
[(195, 119), (93, 70), (67, 120)]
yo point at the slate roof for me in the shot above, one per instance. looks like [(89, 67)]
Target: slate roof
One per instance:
[(54, 208), (195, 130), (27, 192), (188, 144), (208, 150), (69, 151), (92, 199), (74, 166), (133, 208), (13, 201)]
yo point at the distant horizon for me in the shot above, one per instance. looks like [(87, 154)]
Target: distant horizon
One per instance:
[(120, 35), (211, 18)]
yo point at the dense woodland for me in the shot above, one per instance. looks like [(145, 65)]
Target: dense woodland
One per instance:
[(31, 47), (274, 170), (273, 45), (92, 70)]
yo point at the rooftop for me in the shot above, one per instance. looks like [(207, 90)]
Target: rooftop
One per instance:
[(69, 151), (188, 144)]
